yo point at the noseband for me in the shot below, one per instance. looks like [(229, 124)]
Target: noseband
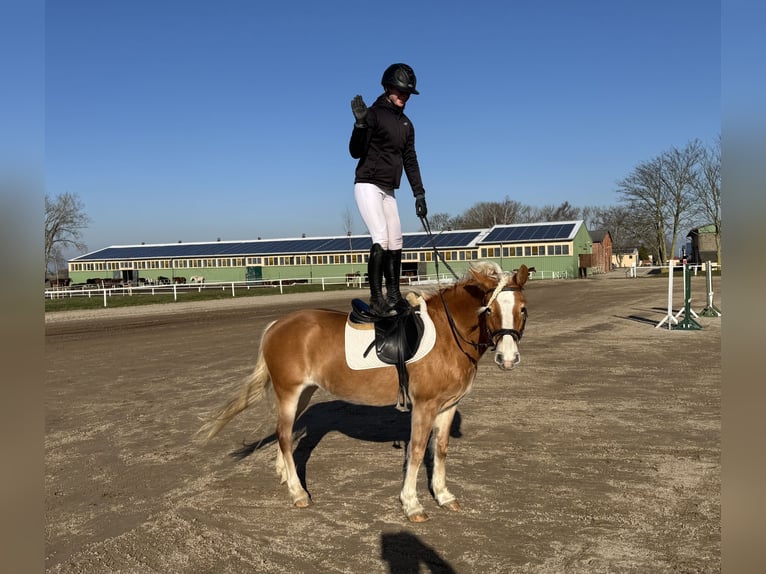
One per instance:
[(498, 334)]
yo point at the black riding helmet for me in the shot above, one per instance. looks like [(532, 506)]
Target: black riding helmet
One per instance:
[(400, 76)]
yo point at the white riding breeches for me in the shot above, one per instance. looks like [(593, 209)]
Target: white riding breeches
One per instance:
[(380, 214)]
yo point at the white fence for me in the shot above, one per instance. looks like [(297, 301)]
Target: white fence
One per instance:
[(178, 289), (175, 289), (695, 268)]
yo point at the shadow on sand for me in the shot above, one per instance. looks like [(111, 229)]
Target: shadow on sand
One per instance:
[(405, 553), (371, 424), (644, 318)]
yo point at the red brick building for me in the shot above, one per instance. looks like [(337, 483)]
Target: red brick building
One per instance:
[(601, 260)]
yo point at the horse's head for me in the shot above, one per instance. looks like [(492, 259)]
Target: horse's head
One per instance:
[(504, 310)]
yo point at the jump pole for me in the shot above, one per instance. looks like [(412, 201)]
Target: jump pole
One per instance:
[(687, 308), (669, 317), (688, 323), (711, 310)]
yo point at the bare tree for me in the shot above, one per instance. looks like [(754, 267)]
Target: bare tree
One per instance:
[(592, 216), (562, 212), (642, 195), (57, 263), (490, 213), (660, 194), (707, 190), (441, 222), (482, 214), (679, 174), (618, 221), (65, 220)]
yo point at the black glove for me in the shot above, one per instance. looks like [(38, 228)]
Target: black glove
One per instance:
[(359, 108), (420, 205)]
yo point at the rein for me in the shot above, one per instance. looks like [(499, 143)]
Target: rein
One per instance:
[(484, 309), (427, 227), (455, 333)]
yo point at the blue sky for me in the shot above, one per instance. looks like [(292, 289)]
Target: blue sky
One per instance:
[(195, 120)]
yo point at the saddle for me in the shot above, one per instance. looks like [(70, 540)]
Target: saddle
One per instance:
[(397, 339)]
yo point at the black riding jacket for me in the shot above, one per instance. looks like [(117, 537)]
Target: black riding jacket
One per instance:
[(386, 146)]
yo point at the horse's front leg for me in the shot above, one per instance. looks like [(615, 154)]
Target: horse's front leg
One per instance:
[(440, 442), (422, 421)]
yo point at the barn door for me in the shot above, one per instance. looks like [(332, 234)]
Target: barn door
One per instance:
[(253, 273)]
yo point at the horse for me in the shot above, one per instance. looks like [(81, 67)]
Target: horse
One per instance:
[(354, 279), (59, 282), (304, 350)]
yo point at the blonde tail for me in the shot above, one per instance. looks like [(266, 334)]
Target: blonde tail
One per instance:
[(253, 390)]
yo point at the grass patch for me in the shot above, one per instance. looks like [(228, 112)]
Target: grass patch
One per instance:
[(122, 298)]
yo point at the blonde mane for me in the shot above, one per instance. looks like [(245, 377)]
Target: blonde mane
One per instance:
[(487, 268)]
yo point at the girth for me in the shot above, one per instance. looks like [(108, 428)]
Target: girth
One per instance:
[(396, 341)]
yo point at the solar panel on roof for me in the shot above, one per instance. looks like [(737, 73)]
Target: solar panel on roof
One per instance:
[(546, 232), (420, 240), (338, 244), (539, 232), (458, 240), (361, 243), (283, 246)]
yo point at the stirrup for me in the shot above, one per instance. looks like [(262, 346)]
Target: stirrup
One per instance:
[(380, 308), (397, 304)]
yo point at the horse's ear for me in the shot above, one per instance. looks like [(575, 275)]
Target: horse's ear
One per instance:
[(521, 275)]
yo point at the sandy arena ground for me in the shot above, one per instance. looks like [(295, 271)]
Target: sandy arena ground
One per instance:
[(599, 453)]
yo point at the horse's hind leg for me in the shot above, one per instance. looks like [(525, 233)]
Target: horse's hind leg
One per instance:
[(440, 441), (289, 405)]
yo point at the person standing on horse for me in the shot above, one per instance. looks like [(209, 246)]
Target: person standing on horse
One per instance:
[(383, 140)]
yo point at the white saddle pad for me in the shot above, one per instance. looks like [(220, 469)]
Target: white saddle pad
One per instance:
[(359, 340)]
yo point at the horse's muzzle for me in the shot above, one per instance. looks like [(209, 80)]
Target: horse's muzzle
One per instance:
[(507, 361)]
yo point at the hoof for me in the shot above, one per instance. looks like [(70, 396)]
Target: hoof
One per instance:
[(418, 517), (452, 505), (302, 503)]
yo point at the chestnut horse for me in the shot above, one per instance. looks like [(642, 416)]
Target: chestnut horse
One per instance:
[(304, 350)]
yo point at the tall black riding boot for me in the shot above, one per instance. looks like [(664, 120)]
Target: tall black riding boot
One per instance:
[(375, 277), (392, 269)]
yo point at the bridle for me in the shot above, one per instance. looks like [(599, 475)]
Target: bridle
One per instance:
[(492, 337), (499, 333), (486, 309)]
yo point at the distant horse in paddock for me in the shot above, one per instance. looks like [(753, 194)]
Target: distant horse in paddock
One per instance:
[(304, 350), (353, 279), (196, 279), (179, 280), (54, 283)]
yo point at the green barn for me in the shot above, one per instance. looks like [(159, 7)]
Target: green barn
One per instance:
[(554, 249)]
